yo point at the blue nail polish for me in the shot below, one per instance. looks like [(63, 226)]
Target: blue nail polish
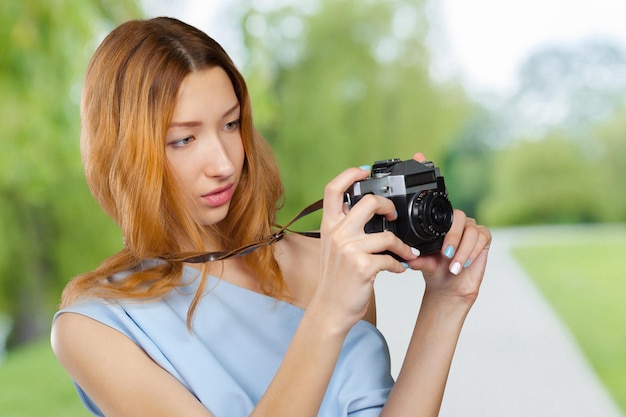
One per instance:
[(405, 265), (366, 167), (449, 252), (467, 263)]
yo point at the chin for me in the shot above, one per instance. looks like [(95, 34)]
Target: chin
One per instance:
[(215, 216)]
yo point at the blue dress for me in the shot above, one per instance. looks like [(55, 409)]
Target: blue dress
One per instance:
[(237, 342)]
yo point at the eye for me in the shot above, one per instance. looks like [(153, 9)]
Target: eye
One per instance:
[(180, 143), (234, 125)]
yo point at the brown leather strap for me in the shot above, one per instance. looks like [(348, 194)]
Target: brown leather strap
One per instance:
[(246, 249)]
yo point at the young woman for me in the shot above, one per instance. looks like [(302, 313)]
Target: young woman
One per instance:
[(171, 154)]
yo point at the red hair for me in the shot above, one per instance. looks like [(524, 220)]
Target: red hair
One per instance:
[(129, 95)]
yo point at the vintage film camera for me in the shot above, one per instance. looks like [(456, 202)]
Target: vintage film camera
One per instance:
[(419, 194)]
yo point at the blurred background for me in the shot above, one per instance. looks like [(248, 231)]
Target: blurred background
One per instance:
[(522, 105)]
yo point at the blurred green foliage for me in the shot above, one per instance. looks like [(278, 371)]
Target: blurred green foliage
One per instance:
[(34, 384), (558, 145), (49, 226), (530, 187), (555, 179), (352, 87)]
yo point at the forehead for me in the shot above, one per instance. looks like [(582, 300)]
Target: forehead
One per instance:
[(205, 90)]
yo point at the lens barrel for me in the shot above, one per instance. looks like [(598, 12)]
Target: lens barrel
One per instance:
[(431, 214)]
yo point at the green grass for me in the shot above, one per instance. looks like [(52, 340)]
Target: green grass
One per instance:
[(582, 275), (33, 384)]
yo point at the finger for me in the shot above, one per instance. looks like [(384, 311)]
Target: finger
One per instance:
[(465, 249), (335, 190), (363, 211), (453, 237), (377, 243), (385, 262), (368, 255), (419, 157), (393, 265), (483, 242), (378, 263)]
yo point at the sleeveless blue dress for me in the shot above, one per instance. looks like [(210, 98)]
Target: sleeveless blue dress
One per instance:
[(237, 342)]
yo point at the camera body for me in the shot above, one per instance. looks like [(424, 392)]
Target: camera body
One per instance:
[(419, 193)]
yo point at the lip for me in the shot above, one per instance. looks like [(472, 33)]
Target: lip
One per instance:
[(219, 196)]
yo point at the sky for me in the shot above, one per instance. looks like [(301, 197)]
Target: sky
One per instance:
[(490, 38), (484, 40)]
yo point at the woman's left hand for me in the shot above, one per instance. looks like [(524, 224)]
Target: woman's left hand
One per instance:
[(458, 269)]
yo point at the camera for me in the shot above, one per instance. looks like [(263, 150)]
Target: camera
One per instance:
[(419, 193)]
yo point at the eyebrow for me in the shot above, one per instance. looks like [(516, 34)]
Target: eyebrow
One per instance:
[(195, 123), (231, 110)]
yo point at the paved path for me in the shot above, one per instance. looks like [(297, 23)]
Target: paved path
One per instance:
[(515, 357)]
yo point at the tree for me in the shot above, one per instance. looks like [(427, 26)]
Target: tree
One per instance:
[(609, 156), (557, 141), (47, 217), (469, 162), (541, 182), (569, 87), (345, 84)]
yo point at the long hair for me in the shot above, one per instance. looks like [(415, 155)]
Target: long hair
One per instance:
[(128, 100)]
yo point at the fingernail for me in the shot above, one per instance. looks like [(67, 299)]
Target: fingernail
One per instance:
[(449, 252), (415, 251), (366, 167), (455, 268), (467, 263), (405, 265)]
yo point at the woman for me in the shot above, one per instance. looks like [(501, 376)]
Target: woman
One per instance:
[(171, 154)]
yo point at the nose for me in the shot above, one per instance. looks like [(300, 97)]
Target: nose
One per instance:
[(219, 162)]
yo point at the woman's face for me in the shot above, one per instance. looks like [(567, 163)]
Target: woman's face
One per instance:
[(203, 142)]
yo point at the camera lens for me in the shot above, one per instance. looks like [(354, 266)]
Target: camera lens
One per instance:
[(431, 214)]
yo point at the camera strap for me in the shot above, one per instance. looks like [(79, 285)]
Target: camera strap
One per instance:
[(246, 249)]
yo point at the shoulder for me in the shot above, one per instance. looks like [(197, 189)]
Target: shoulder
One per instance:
[(105, 363), (295, 247), (74, 336), (77, 340), (299, 260)]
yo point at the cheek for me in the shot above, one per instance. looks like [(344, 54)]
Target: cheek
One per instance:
[(238, 153), (174, 166), (180, 168)]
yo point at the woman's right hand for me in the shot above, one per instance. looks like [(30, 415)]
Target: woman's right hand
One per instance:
[(351, 258)]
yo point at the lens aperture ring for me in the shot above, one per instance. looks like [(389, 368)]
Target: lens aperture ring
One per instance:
[(431, 214)]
